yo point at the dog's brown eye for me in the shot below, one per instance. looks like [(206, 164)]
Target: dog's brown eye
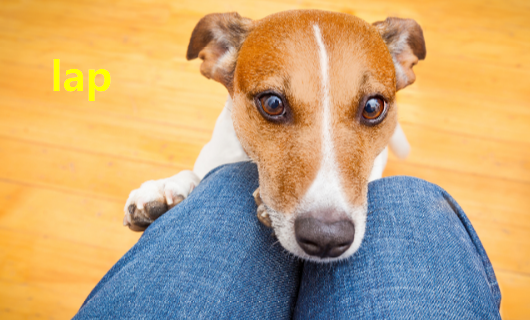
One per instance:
[(272, 104), (373, 108)]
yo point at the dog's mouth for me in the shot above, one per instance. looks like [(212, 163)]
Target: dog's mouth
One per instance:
[(312, 238)]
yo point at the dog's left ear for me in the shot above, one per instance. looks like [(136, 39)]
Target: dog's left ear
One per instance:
[(216, 40), (404, 39)]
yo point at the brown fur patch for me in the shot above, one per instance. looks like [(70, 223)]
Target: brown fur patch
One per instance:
[(281, 54)]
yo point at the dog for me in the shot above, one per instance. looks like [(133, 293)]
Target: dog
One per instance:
[(312, 103)]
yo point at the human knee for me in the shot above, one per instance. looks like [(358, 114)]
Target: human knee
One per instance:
[(411, 203)]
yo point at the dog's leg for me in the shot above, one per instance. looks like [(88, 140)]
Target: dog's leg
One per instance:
[(399, 144), (379, 165), (155, 197)]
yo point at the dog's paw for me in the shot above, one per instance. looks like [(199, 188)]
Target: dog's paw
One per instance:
[(156, 197), (263, 215)]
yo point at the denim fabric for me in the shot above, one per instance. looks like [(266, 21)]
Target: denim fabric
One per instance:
[(207, 258), (420, 259), (210, 258)]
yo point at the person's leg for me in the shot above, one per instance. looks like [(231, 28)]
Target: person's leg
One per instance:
[(420, 259), (207, 258)]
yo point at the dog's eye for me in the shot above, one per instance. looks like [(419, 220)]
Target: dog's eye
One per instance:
[(272, 104), (374, 108)]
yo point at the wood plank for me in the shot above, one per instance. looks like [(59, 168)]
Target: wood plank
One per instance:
[(514, 290), (72, 242), (453, 151), (32, 300), (159, 142), (73, 171), (53, 280), (76, 218)]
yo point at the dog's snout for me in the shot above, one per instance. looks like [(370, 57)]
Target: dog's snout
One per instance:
[(324, 239)]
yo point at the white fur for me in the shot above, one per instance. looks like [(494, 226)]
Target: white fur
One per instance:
[(401, 76), (225, 60), (399, 144), (223, 148), (379, 165), (400, 147), (401, 43), (397, 48)]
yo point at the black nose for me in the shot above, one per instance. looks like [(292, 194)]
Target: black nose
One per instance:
[(324, 239)]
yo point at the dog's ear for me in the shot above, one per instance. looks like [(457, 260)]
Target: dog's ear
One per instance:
[(404, 39), (217, 39)]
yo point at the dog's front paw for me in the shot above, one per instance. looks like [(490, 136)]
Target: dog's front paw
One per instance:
[(156, 197)]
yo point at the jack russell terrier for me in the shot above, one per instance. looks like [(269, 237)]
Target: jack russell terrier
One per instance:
[(311, 102)]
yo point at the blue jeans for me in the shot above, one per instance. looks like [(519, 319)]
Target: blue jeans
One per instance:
[(210, 258)]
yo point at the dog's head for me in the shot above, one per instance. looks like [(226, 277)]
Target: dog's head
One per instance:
[(314, 104)]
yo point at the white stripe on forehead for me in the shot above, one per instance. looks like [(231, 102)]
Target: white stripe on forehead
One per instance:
[(328, 151), (326, 191)]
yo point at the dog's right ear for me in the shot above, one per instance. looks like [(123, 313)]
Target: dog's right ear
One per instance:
[(217, 39), (404, 39)]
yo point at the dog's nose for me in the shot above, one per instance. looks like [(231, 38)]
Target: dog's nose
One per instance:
[(324, 239)]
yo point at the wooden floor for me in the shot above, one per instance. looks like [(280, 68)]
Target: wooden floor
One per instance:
[(67, 164)]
